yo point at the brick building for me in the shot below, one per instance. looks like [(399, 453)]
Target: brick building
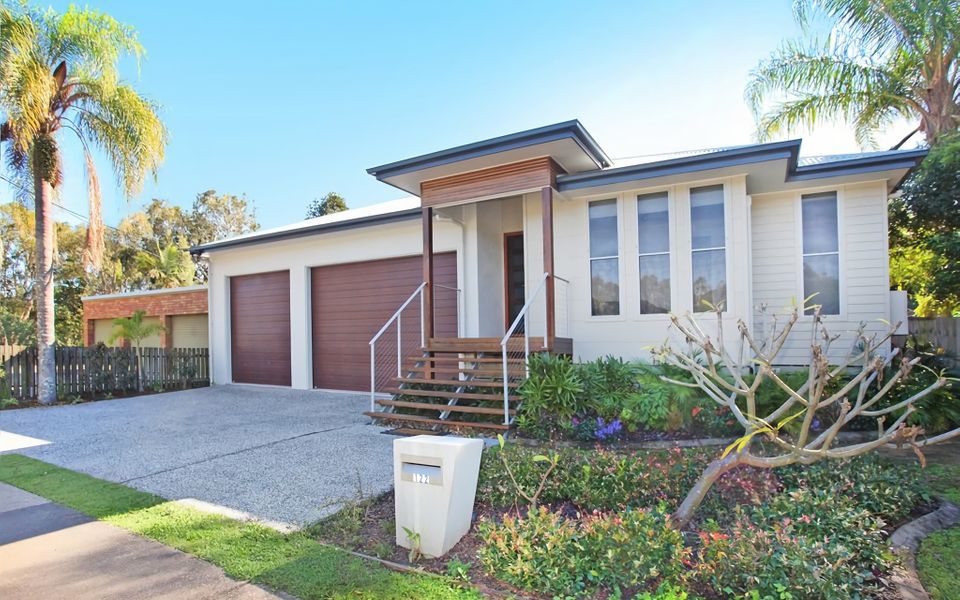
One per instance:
[(182, 312)]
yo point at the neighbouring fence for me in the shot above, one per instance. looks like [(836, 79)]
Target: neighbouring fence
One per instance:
[(9, 350), (99, 369), (943, 332)]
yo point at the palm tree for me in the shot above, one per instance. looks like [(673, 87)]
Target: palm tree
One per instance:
[(60, 72), (884, 60), (133, 330), (170, 267)]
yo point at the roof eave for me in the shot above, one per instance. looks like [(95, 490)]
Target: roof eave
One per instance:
[(393, 217), (788, 150), (566, 130)]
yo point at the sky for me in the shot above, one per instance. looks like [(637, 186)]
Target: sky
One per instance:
[(285, 101)]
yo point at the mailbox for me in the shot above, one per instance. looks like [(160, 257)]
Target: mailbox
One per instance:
[(435, 484)]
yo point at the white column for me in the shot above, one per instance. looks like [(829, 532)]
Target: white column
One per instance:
[(301, 347)]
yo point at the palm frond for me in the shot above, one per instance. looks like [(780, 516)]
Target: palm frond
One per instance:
[(126, 127), (93, 250)]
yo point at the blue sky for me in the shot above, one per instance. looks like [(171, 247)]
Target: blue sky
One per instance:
[(286, 101)]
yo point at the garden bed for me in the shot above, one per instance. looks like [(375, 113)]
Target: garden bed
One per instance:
[(87, 397), (776, 526)]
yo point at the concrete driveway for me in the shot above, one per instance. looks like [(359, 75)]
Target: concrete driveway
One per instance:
[(287, 456)]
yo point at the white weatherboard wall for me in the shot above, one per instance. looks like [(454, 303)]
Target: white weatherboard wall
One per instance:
[(299, 255), (864, 274), (631, 333)]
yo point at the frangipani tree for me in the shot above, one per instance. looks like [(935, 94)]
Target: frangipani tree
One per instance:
[(59, 74), (861, 381)]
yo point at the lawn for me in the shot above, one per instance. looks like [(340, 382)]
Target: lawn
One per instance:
[(940, 553), (292, 563)]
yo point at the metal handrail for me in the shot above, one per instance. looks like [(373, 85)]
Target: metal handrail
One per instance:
[(373, 341), (526, 345)]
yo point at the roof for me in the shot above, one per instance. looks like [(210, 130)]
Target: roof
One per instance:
[(568, 143), (567, 129), (137, 293), (797, 169), (375, 214)]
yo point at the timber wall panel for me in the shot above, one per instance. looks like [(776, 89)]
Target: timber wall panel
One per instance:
[(500, 180)]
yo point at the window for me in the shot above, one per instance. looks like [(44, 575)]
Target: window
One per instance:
[(604, 259), (708, 242), (821, 252), (653, 230)]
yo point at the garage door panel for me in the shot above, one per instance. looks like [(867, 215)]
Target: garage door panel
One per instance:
[(351, 302), (260, 328)]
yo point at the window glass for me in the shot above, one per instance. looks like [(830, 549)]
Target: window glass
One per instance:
[(603, 229), (706, 216), (605, 286), (821, 252), (604, 259), (709, 279), (653, 230), (708, 241), (653, 223), (655, 284)]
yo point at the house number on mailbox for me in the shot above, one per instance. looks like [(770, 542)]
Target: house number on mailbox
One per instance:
[(421, 478)]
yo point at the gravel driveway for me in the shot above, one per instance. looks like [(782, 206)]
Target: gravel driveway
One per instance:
[(288, 456)]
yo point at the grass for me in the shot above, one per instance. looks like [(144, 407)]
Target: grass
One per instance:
[(937, 564), (292, 563), (940, 552)]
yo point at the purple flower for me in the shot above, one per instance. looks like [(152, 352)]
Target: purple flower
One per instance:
[(608, 430)]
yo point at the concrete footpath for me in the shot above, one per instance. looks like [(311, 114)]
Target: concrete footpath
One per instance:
[(51, 552)]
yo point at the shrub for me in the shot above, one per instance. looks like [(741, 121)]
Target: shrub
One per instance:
[(552, 396), (808, 544), (592, 479), (547, 553), (883, 489)]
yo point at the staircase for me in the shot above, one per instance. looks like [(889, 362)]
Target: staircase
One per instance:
[(457, 384)]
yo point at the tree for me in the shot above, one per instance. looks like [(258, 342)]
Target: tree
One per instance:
[(217, 216), (59, 72), (925, 232), (827, 397), (170, 267), (884, 60), (329, 204), (134, 330)]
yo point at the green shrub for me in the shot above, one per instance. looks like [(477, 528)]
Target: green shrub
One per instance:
[(546, 553), (552, 396), (810, 545), (593, 479), (883, 489)]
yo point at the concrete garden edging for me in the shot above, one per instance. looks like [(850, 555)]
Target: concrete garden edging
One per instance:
[(708, 442), (906, 540)]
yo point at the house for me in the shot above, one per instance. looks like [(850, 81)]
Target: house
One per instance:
[(182, 312), (541, 230)]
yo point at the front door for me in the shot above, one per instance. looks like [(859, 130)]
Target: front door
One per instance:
[(514, 279)]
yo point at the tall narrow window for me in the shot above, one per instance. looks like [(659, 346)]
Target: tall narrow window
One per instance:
[(604, 259), (653, 229), (708, 242), (821, 252)]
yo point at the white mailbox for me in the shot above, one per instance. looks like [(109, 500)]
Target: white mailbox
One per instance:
[(435, 483)]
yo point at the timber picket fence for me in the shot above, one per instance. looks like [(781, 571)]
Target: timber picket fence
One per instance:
[(101, 370), (942, 332)]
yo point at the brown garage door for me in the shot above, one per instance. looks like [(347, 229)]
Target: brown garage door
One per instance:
[(260, 328), (351, 302)]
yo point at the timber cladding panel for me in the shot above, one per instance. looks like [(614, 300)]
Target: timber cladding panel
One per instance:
[(526, 175), (260, 328), (351, 302)]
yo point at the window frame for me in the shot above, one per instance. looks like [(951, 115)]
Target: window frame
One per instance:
[(669, 252), (725, 189), (621, 314), (841, 295)]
